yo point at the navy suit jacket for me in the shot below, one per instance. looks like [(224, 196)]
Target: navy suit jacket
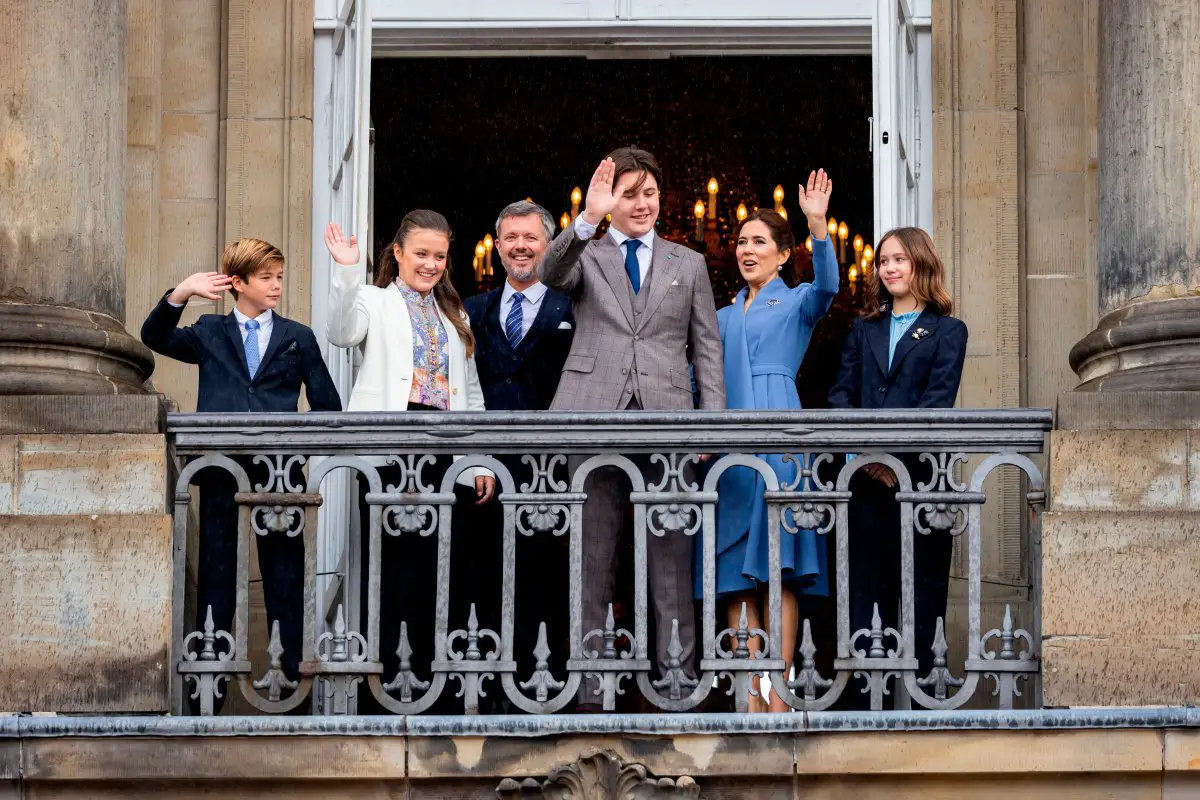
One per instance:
[(215, 344), (925, 371), (524, 379)]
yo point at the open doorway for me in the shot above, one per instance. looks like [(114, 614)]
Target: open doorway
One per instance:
[(468, 136)]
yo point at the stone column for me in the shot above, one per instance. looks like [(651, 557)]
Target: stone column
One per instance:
[(62, 200), (1149, 171)]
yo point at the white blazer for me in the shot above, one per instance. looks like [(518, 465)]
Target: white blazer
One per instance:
[(377, 320)]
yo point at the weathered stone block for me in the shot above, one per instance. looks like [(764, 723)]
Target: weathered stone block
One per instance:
[(1095, 671), (187, 242), (1120, 576), (188, 156), (8, 473), (1089, 411), (92, 474), (87, 620), (1118, 470), (191, 70)]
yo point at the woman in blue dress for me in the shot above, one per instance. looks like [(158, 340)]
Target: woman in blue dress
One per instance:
[(765, 334)]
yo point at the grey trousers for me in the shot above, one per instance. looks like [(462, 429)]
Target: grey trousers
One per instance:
[(668, 567)]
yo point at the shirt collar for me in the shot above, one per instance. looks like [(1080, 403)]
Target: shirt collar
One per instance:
[(620, 238), (263, 319), (907, 316), (533, 294), (413, 296)]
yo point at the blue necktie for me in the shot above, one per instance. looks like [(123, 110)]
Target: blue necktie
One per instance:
[(631, 264), (516, 319), (252, 354)]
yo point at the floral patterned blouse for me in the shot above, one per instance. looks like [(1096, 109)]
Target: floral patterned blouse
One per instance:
[(431, 360)]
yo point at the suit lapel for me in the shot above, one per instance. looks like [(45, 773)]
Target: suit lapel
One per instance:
[(550, 313), (664, 266), (492, 324), (913, 337), (612, 267), (878, 332), (235, 339), (279, 327)]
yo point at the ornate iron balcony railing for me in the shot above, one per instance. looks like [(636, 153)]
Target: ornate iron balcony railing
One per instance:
[(292, 474)]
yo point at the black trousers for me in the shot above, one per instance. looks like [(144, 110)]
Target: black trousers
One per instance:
[(874, 517), (280, 562)]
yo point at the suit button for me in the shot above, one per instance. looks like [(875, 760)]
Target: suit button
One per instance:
[(514, 358), (508, 380), (882, 389), (251, 390), (637, 338), (637, 313)]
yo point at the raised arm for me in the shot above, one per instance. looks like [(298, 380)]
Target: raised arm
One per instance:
[(704, 337), (814, 202), (348, 317), (160, 331), (561, 268)]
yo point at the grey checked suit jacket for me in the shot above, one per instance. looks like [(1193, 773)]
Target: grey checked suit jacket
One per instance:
[(679, 313)]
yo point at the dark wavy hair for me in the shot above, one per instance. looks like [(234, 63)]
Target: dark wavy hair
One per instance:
[(444, 293), (781, 234)]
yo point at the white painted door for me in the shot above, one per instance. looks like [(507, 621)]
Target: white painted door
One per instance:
[(895, 129), (349, 206)]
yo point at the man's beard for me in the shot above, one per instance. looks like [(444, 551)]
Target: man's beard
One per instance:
[(522, 275)]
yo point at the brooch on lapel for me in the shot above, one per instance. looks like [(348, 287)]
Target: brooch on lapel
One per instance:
[(920, 333), (774, 301)]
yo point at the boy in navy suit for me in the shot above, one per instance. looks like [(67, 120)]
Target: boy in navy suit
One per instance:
[(251, 359)]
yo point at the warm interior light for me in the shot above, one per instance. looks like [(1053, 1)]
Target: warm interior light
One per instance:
[(858, 243), (488, 242), (854, 273), (564, 220), (479, 251), (833, 226), (576, 195), (869, 253), (783, 213), (778, 195), (713, 186), (808, 244), (698, 209), (843, 231), (741, 212)]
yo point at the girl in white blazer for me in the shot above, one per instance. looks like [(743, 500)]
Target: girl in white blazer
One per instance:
[(377, 319)]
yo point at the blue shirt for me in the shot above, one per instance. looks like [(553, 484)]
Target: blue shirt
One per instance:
[(900, 325)]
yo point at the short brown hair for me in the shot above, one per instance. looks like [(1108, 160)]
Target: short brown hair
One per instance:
[(781, 234), (634, 159), (928, 282), (245, 257)]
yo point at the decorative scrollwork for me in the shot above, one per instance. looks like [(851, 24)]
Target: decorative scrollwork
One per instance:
[(411, 466), (542, 682), (675, 680), (942, 479), (266, 520), (279, 473), (742, 635), (339, 645), (274, 680), (808, 679), (599, 774), (808, 516), (542, 479), (806, 479), (1008, 637), (948, 518), (876, 633), (608, 636), (410, 518), (940, 677), (543, 518), (208, 639), (674, 477), (673, 518), (406, 680), (471, 636)]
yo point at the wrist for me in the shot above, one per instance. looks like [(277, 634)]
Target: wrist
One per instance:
[(179, 296), (591, 218), (818, 227)]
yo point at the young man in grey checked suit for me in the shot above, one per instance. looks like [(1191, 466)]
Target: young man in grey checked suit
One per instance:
[(643, 309)]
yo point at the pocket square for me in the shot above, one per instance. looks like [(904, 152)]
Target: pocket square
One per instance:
[(564, 326), (291, 347), (674, 283)]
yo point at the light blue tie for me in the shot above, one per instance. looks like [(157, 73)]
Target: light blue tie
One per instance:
[(631, 264), (514, 325), (252, 354)]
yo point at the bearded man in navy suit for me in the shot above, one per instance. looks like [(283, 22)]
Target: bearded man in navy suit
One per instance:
[(523, 332)]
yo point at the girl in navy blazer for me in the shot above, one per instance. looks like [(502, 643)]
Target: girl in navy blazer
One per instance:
[(905, 352)]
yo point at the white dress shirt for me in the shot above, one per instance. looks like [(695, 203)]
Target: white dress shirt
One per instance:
[(265, 321), (529, 305), (585, 230)]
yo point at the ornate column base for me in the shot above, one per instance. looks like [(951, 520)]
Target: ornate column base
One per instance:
[(62, 351), (1149, 346)]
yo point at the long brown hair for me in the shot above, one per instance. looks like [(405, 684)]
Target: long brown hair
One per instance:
[(928, 282), (444, 293), (781, 234)]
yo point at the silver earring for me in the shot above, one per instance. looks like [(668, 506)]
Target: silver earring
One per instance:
[(779, 268)]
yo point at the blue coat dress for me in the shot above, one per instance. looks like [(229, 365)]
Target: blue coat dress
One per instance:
[(764, 346)]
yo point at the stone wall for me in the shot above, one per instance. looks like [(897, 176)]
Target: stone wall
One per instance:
[(1121, 540)]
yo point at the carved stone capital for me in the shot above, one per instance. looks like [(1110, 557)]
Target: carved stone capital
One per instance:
[(599, 775)]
